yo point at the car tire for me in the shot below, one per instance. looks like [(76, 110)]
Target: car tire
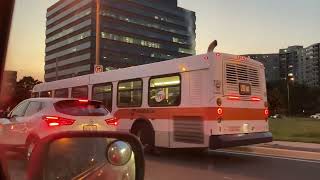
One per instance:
[(31, 142), (145, 134)]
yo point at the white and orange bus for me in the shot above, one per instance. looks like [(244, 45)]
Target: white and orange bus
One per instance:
[(212, 100)]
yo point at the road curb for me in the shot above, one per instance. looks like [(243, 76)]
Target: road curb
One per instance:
[(277, 152)]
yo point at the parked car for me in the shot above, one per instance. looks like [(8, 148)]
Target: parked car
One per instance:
[(276, 116), (315, 116), (36, 118)]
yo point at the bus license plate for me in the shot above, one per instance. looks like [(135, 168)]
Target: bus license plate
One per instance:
[(90, 128), (244, 89)]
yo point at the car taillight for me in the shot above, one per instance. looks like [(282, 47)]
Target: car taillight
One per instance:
[(219, 111), (83, 100), (112, 121), (57, 121)]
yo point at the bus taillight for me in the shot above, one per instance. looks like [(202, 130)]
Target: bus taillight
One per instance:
[(255, 99), (233, 97), (219, 111), (266, 113)]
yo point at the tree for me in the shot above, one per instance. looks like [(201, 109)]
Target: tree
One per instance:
[(24, 88), (276, 92)]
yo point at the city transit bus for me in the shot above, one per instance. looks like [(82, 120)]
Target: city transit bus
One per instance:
[(214, 100)]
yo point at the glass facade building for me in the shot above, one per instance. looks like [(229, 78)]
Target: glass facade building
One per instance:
[(132, 32)]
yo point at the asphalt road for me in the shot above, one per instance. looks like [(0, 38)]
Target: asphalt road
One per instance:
[(227, 166), (216, 166)]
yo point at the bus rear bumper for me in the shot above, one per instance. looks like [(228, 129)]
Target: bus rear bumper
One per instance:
[(224, 141)]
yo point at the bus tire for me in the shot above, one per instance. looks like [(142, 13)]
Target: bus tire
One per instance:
[(145, 133)]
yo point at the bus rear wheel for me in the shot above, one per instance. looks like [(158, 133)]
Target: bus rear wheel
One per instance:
[(145, 134)]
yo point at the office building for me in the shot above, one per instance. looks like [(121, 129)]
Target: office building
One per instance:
[(271, 64), (133, 32), (312, 59), (292, 64)]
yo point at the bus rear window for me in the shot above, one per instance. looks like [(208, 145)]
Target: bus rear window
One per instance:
[(80, 108)]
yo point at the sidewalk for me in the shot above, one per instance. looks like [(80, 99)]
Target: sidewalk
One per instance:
[(297, 146), (296, 150)]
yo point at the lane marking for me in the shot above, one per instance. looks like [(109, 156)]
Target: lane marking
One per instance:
[(265, 156)]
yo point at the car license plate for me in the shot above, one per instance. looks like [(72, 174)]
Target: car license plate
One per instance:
[(244, 89), (90, 128)]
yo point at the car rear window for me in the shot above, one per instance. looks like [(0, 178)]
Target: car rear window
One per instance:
[(81, 108)]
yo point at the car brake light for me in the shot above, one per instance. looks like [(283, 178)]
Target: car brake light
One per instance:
[(83, 100), (266, 112), (57, 121), (112, 121)]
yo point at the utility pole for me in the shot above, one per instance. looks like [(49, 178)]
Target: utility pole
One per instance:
[(98, 33), (288, 89)]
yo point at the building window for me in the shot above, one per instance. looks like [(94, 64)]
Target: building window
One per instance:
[(142, 22), (130, 40), (103, 93), (46, 94), (80, 92), (165, 91), (61, 93), (187, 51), (130, 93)]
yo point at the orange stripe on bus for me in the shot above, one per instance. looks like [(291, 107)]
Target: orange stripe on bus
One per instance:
[(206, 113)]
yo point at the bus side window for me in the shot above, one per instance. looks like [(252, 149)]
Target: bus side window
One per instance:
[(46, 94), (103, 92), (130, 93), (61, 93), (80, 92), (164, 91), (35, 95)]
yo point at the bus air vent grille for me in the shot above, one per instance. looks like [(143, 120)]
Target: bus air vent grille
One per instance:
[(236, 73), (188, 129)]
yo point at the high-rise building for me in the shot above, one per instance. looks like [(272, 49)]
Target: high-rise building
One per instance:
[(292, 64), (271, 64), (312, 59), (133, 32)]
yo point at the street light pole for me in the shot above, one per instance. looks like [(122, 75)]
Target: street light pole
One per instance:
[(98, 33), (288, 90)]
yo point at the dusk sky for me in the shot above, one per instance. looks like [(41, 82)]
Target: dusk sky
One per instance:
[(240, 26)]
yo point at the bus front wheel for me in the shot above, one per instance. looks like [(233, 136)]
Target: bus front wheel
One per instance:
[(145, 134)]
